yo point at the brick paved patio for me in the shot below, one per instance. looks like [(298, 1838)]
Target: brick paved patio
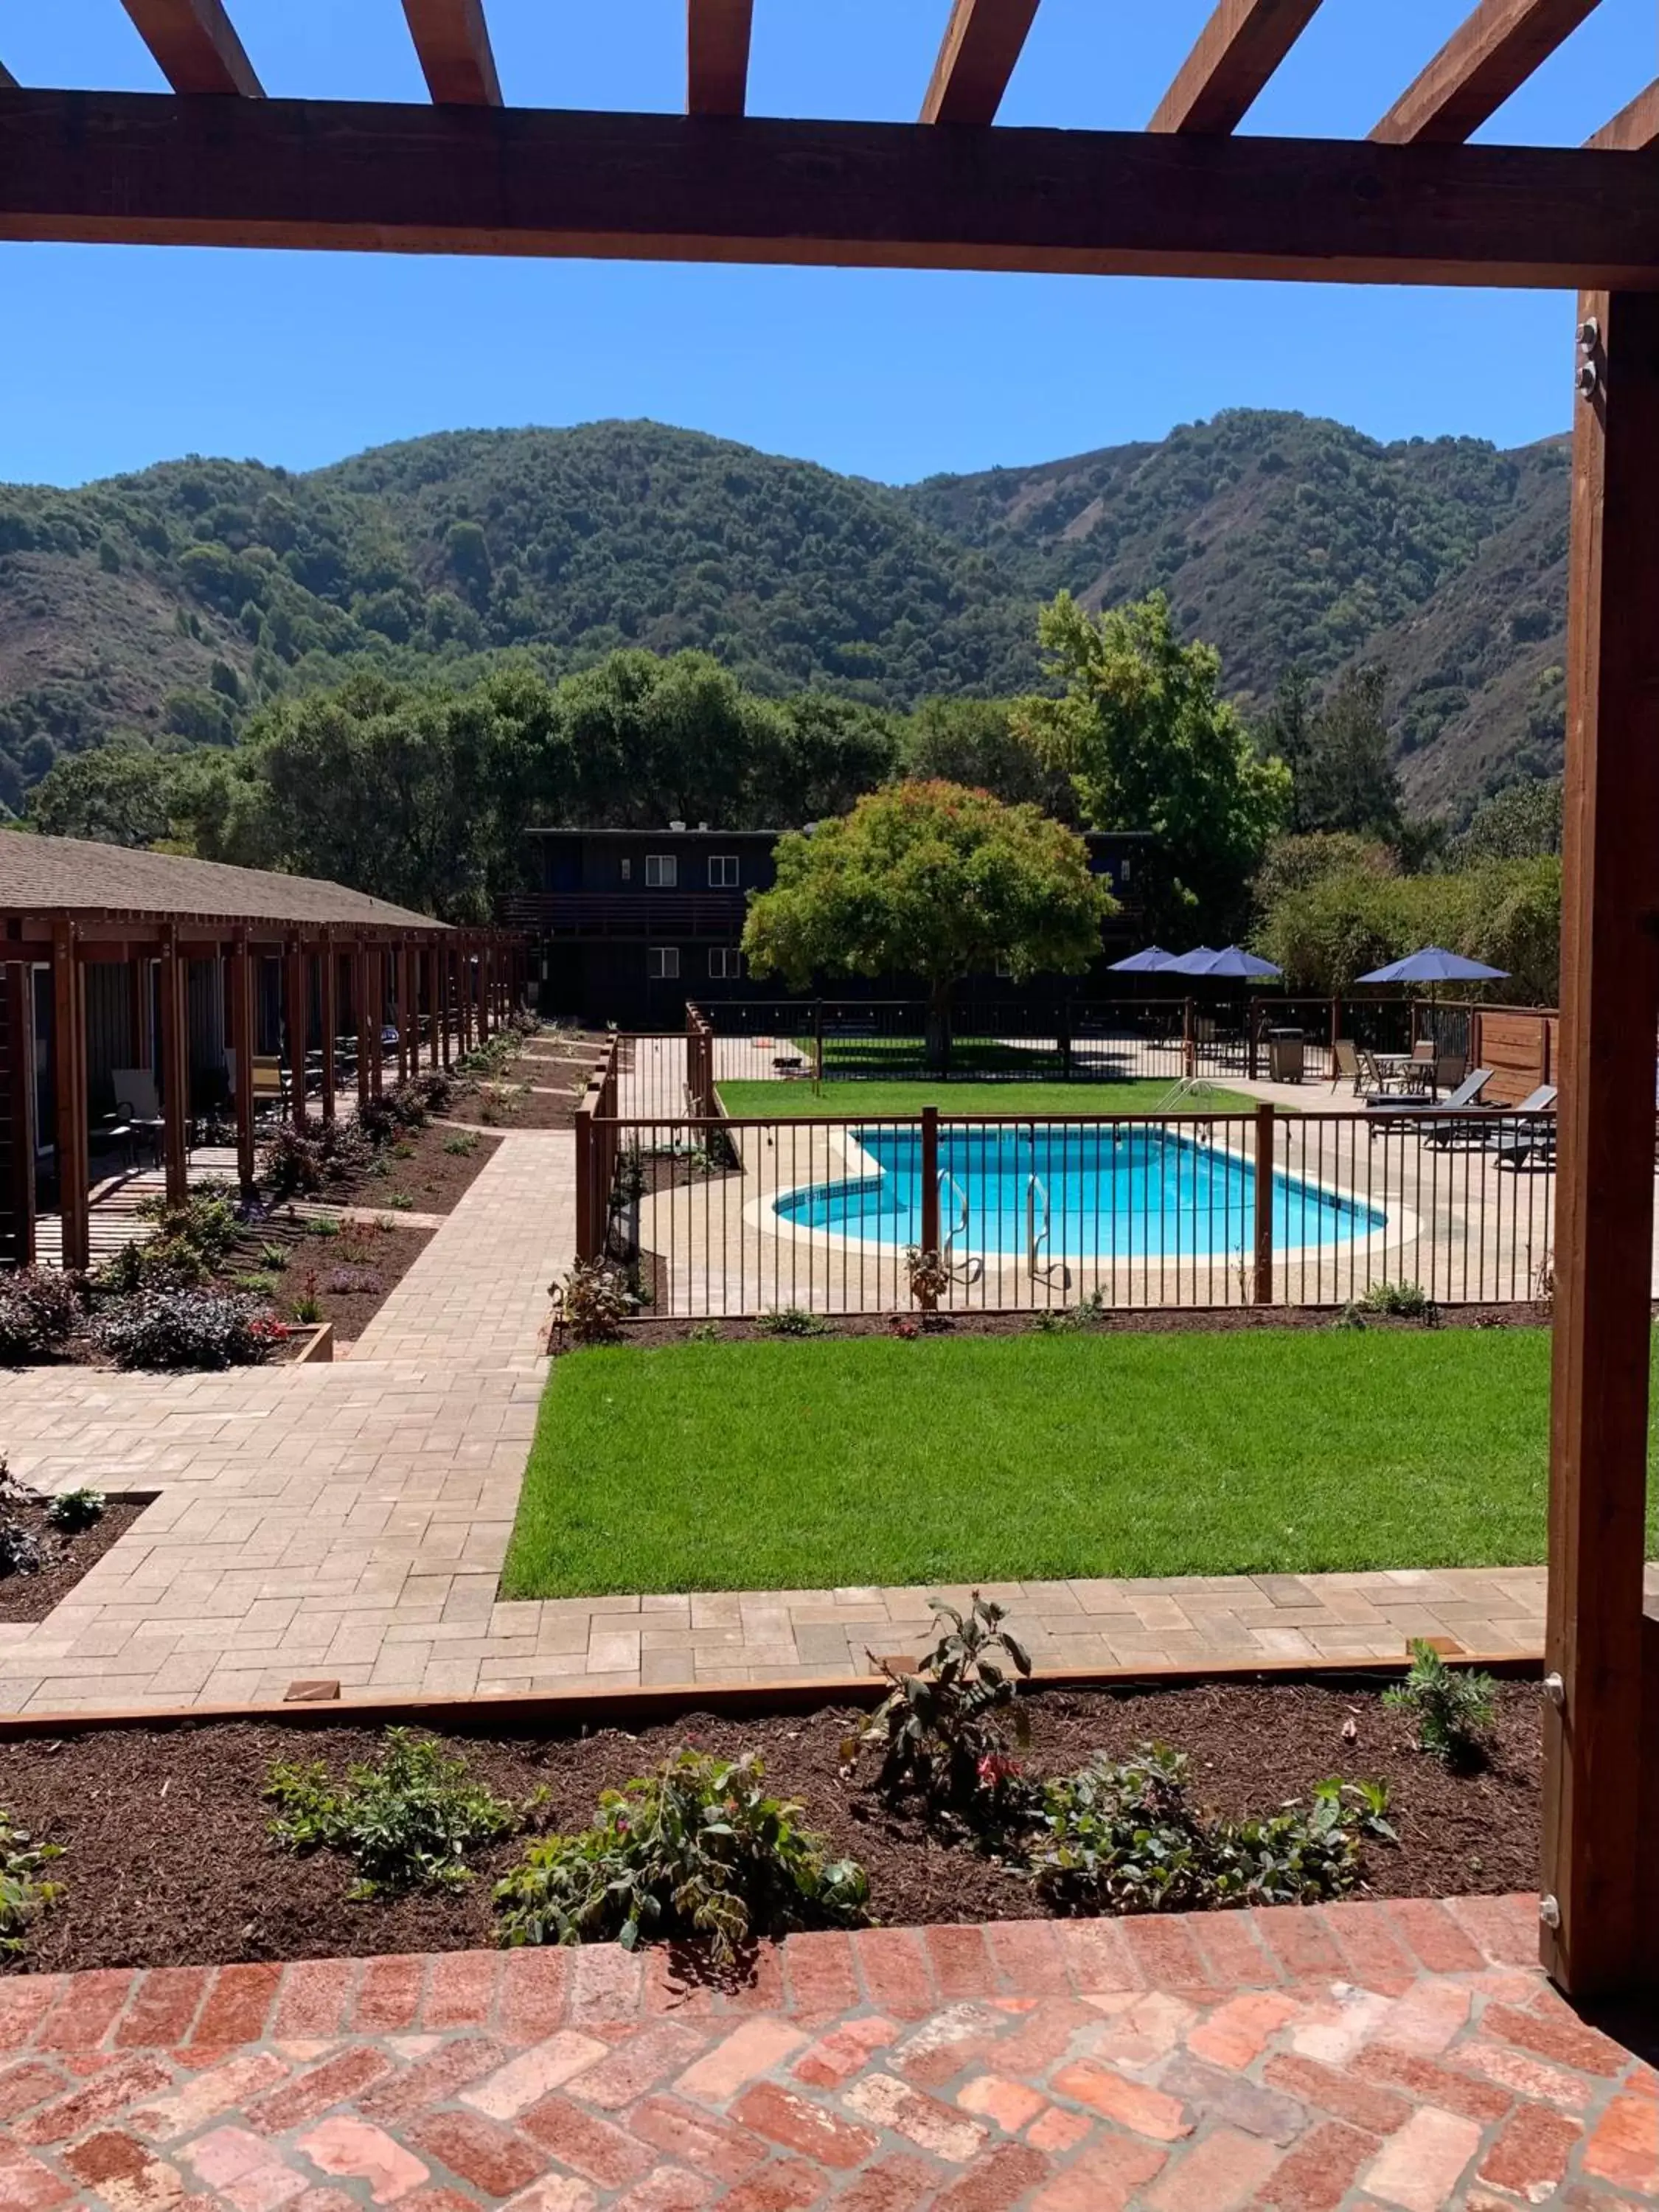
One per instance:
[(1403, 2055)]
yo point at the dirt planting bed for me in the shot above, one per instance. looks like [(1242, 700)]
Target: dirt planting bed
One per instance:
[(28, 1597), (168, 1861), (421, 1175), (651, 1331), (350, 1276)]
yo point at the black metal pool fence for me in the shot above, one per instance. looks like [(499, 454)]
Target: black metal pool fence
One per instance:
[(817, 1214)]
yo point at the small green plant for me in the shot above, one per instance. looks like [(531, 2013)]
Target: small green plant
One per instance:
[(791, 1320), (400, 1201), (20, 1552), (946, 1729), (1451, 1706), (1070, 1321), (273, 1256), (23, 1896), (307, 1307), (256, 1283), (929, 1275), (462, 1144), (697, 1849), (72, 1511), (1399, 1301), (1124, 1836), (326, 1227), (706, 1332), (405, 1823), (591, 1301)]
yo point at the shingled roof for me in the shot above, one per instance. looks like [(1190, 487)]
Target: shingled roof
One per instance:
[(48, 875)]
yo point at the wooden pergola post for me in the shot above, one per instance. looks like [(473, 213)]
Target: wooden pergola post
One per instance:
[(296, 1020), (329, 989), (374, 1014), (409, 1039), (68, 1077), (361, 1019), (175, 1066), (242, 1044), (139, 1010), (464, 990), (16, 980), (446, 959), (1600, 1911)]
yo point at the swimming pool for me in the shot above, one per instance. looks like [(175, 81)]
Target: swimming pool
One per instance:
[(1123, 1192)]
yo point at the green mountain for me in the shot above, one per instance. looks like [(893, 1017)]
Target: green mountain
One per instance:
[(172, 601)]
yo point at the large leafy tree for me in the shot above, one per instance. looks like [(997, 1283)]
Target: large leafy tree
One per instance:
[(934, 880), (116, 794), (1149, 743)]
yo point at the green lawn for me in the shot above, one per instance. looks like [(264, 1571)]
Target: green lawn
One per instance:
[(777, 1101), (809, 1465)]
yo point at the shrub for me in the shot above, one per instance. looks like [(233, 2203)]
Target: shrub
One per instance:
[(256, 1283), (206, 1224), (942, 1731), (298, 1161), (462, 1144), (406, 1823), (187, 1329), (696, 1848), (73, 1511), (20, 1548), (592, 1301), (1451, 1705), (39, 1308), (1404, 1301), (791, 1320), (23, 1896), (435, 1089), (929, 1274), (1122, 1836)]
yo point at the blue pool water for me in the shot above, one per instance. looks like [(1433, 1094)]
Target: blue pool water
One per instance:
[(1125, 1193)]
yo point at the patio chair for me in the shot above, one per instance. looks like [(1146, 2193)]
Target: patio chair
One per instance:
[(1346, 1062), (1392, 1111), (138, 1117)]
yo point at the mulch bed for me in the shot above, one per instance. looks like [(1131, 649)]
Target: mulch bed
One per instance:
[(650, 1334), (31, 1597), (168, 1861), (420, 1171), (368, 1258)]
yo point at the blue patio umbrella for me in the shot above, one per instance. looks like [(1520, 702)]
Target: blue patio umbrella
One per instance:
[(1232, 963), (1145, 963), (1434, 964)]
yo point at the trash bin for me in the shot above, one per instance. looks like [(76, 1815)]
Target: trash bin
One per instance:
[(1286, 1052)]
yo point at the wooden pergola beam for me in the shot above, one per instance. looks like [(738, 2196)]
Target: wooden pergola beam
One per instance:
[(139, 168), (1488, 58), (1635, 128), (196, 46), (717, 35), (982, 43), (451, 37), (1237, 52)]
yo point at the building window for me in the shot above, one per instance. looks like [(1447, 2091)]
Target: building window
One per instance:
[(722, 871), (662, 872), (725, 963), (1123, 870), (628, 871), (662, 964)]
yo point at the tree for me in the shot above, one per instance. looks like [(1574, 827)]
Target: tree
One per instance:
[(929, 880), (1347, 780), (1340, 926), (1296, 864), (1149, 743), (973, 741), (1518, 824), (1286, 733), (119, 795)]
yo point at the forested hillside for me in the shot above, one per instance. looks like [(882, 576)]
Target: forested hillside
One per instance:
[(174, 602)]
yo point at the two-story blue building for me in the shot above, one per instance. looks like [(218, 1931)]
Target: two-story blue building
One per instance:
[(627, 925)]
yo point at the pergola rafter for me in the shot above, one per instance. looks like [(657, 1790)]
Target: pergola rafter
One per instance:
[(983, 41), (1423, 206), (1237, 52), (451, 37), (196, 46), (1635, 128), (718, 35), (1485, 61)]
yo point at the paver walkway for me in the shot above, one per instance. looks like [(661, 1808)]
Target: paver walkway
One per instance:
[(1405, 2056)]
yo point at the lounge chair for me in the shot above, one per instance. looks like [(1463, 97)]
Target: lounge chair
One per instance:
[(1345, 1061), (1536, 1146), (1463, 1105)]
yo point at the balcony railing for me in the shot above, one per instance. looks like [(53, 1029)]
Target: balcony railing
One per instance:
[(667, 917)]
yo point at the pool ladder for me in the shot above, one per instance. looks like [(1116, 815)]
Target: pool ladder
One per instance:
[(967, 1270), (1041, 1240)]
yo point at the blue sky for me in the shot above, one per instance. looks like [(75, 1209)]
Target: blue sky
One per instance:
[(112, 358)]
